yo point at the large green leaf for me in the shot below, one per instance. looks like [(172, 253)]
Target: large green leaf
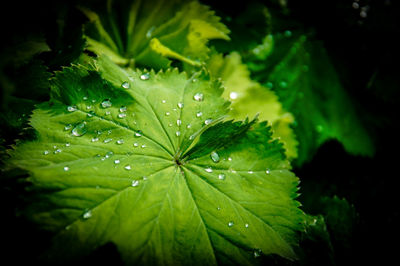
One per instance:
[(150, 33), (144, 160), (302, 75), (250, 98)]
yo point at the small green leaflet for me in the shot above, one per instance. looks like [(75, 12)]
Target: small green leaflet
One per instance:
[(150, 33), (139, 159)]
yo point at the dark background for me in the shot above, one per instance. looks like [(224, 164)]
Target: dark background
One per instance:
[(365, 53)]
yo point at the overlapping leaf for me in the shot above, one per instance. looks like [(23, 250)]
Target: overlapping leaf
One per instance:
[(144, 160), (150, 33), (250, 98)]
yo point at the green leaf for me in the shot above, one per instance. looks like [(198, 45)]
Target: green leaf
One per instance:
[(300, 72), (250, 98), (152, 33), (133, 158)]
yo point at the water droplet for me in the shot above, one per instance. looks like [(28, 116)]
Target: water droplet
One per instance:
[(107, 140), (233, 95), (221, 176), (94, 139), (120, 141), (122, 115), (67, 144), (218, 208), (208, 121), (194, 80), (88, 107), (257, 253), (117, 161), (150, 32), (85, 98), (180, 105), (145, 76), (143, 146), (268, 171), (163, 101), (246, 225), (189, 126), (128, 167), (87, 214), (109, 154), (46, 152), (178, 122), (66, 168), (214, 157), (122, 109), (167, 113), (125, 85), (230, 224), (72, 108), (91, 114), (93, 101), (57, 151), (138, 134), (198, 97), (229, 159), (199, 114), (208, 170), (135, 183), (177, 133), (135, 144), (106, 103), (250, 172), (79, 130), (191, 137), (144, 178), (68, 127), (108, 112)]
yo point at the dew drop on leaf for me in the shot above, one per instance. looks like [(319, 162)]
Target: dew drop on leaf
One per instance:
[(88, 107), (180, 105), (87, 214), (268, 171), (163, 101), (198, 97), (71, 108), (199, 114), (177, 133), (66, 168), (120, 141), (221, 176), (46, 152), (189, 126), (106, 103), (246, 225), (208, 121), (57, 151), (109, 154), (233, 95), (122, 109), (138, 133), (208, 170), (230, 224), (178, 122), (257, 253), (85, 98), (127, 167), (68, 127), (107, 140), (94, 139), (125, 85), (79, 130), (145, 76), (167, 113), (135, 183), (117, 161), (143, 146), (91, 114), (135, 144), (250, 172), (121, 115), (67, 144), (214, 157)]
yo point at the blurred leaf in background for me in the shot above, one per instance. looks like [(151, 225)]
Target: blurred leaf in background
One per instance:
[(152, 33)]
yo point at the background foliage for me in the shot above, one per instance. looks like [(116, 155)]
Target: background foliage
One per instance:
[(351, 197)]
